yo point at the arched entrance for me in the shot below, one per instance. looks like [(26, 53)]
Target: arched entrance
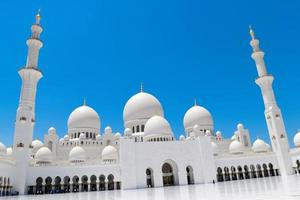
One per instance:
[(67, 184), (93, 185), (272, 172), (233, 173), (149, 178), (246, 170), (57, 185), (265, 169), (190, 175), (168, 176), (259, 172), (84, 184), (102, 182), (253, 172), (39, 185), (48, 186), (75, 181), (111, 185), (220, 175), (240, 172), (227, 175)]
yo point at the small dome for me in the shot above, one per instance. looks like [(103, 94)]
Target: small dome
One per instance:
[(142, 106), (66, 138), (51, 131), (9, 151), (236, 147), (118, 135), (259, 146), (2, 149), (98, 137), (61, 139), (297, 139), (109, 153), (77, 154), (108, 130), (157, 126), (214, 148), (240, 126), (43, 155), (219, 134), (127, 132), (181, 137), (84, 117), (197, 115), (36, 144)]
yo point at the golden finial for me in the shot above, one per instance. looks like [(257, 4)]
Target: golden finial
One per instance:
[(251, 32), (84, 101), (142, 87), (38, 17), (195, 102)]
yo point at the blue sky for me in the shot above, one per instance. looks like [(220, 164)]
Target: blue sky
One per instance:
[(179, 49)]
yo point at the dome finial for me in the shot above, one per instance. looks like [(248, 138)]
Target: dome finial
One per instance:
[(84, 101), (142, 87), (195, 101), (38, 17), (251, 32)]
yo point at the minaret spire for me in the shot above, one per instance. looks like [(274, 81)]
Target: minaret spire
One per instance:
[(274, 119), (142, 87), (251, 32), (25, 117), (34, 43), (38, 17)]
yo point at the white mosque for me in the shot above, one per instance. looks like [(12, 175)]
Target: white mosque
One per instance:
[(147, 154)]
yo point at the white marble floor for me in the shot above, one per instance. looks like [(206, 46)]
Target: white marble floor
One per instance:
[(263, 188)]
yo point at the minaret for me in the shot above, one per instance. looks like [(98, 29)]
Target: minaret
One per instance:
[(273, 114), (25, 118)]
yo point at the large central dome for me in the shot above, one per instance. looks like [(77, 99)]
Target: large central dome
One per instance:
[(84, 117), (142, 106)]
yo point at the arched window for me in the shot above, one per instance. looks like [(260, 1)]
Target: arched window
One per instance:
[(137, 129), (133, 131), (143, 127)]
